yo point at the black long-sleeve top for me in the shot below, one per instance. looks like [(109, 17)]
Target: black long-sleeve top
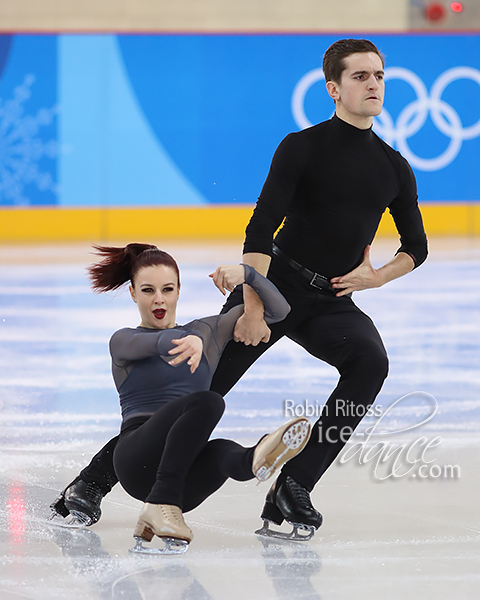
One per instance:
[(331, 183), (144, 379)]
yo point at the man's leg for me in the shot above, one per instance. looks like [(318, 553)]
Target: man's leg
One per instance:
[(83, 496), (100, 469), (346, 338), (336, 331)]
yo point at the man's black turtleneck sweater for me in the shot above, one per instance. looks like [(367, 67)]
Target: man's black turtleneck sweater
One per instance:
[(332, 183)]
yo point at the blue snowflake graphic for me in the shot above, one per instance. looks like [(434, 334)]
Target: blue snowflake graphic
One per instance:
[(22, 149)]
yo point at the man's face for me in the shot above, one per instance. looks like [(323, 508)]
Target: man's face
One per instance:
[(359, 95)]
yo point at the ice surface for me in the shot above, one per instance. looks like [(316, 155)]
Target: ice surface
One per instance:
[(383, 536)]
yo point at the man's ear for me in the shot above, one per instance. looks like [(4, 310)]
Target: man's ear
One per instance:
[(132, 293), (332, 89)]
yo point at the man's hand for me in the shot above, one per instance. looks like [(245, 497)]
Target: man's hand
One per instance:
[(365, 277), (227, 277), (251, 330), (191, 347)]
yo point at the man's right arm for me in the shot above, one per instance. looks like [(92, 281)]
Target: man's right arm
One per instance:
[(271, 208), (251, 328)]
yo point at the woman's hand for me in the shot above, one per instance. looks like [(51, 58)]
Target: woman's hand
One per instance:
[(191, 347), (227, 277)]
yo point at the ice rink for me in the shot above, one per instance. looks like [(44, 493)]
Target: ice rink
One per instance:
[(400, 506)]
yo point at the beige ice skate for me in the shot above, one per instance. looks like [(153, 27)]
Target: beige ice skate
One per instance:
[(275, 449), (165, 521)]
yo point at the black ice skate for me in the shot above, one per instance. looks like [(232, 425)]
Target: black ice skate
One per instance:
[(79, 504), (289, 501)]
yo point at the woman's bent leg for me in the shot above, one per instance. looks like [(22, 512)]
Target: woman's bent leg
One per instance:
[(218, 461), (223, 459), (152, 461)]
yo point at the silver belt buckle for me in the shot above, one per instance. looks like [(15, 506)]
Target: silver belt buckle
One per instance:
[(324, 283)]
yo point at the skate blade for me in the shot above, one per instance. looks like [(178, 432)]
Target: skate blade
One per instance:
[(293, 536), (75, 520), (58, 507), (172, 546), (293, 438)]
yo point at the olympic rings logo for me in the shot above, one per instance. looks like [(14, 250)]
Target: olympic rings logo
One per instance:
[(413, 116)]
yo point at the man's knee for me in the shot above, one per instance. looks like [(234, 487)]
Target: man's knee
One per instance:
[(370, 360), (378, 364)]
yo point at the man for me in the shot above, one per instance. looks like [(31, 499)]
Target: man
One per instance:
[(329, 185)]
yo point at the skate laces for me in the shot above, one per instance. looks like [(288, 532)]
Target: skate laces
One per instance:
[(173, 514), (93, 493), (299, 493)]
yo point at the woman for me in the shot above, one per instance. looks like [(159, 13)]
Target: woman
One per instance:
[(163, 456)]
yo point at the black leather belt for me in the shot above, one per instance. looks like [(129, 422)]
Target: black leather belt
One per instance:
[(314, 279)]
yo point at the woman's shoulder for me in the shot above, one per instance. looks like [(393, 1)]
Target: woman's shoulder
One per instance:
[(125, 331), (121, 336)]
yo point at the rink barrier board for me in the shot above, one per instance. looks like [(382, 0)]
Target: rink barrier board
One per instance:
[(219, 222)]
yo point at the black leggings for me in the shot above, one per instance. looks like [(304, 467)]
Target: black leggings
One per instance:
[(169, 460)]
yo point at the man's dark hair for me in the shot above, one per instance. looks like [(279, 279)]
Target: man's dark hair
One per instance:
[(334, 57)]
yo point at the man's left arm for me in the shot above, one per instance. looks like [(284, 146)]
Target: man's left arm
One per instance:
[(365, 277), (413, 250)]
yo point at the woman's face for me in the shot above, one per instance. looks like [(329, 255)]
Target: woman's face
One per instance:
[(155, 290)]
